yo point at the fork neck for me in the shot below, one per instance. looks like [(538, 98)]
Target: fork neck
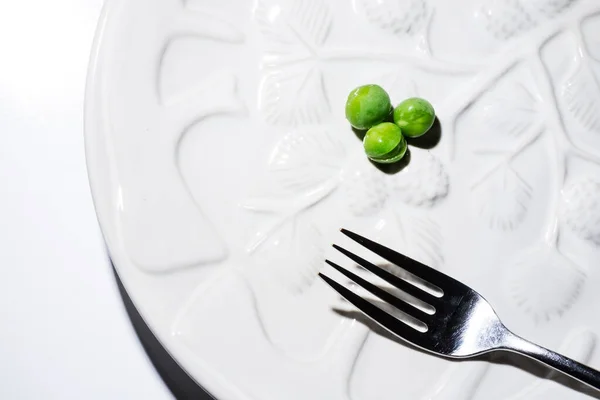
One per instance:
[(558, 362)]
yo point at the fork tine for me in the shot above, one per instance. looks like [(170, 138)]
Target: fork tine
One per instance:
[(390, 278), (384, 319), (414, 267), (401, 305)]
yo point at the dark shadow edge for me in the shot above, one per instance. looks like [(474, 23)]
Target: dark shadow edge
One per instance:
[(181, 385)]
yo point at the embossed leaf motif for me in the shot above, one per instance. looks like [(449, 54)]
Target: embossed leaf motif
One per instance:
[(400, 17), (365, 190), (555, 293), (581, 209), (304, 168), (293, 93), (417, 235), (582, 96), (505, 198), (546, 8), (294, 96), (590, 30), (302, 27), (423, 183), (305, 159), (297, 258), (422, 235), (507, 110), (509, 18), (399, 84), (505, 19)]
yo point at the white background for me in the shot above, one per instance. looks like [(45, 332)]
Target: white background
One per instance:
[(64, 333)]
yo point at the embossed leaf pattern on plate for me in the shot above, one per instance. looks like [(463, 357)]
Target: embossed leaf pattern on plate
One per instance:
[(511, 109), (505, 19), (365, 190), (547, 8), (509, 18), (298, 26), (503, 194), (399, 84), (423, 183), (306, 158), (271, 289), (304, 168), (590, 28), (308, 105), (422, 234), (297, 258), (581, 209), (400, 17), (551, 296), (582, 94), (504, 197), (293, 91)]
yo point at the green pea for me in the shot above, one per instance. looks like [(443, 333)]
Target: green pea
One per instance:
[(414, 116), (367, 106), (384, 143)]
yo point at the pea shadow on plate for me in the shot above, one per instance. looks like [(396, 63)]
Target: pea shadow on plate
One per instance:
[(498, 358), (430, 139), (393, 168), (360, 133)]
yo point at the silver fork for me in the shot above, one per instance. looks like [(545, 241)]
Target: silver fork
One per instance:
[(462, 325)]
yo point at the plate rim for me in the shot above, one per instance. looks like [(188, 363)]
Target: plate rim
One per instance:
[(94, 142)]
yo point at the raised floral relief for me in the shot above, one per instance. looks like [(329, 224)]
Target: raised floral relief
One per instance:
[(295, 38), (508, 118), (422, 238), (423, 183), (508, 109), (310, 169), (509, 18), (400, 17), (581, 209), (548, 297), (365, 190), (292, 91), (504, 197), (590, 32), (304, 168), (581, 92), (555, 104)]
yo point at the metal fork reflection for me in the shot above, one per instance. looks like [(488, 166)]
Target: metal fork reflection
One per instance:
[(462, 324)]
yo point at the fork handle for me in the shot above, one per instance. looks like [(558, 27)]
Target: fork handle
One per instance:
[(556, 361)]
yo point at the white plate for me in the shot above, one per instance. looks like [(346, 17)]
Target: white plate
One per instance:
[(222, 166)]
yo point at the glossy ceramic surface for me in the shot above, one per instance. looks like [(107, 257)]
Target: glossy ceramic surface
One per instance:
[(222, 167)]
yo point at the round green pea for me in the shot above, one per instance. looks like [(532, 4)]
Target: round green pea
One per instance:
[(414, 116), (367, 106), (384, 143)]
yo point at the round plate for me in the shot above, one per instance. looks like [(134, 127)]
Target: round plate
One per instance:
[(222, 167)]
